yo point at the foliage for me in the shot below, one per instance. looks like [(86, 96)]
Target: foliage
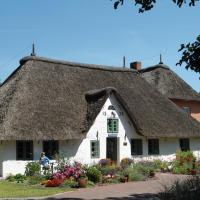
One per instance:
[(61, 161), (34, 180), (32, 169), (70, 183), (191, 55), (146, 5), (75, 170), (94, 174), (108, 170), (184, 162), (19, 178), (126, 162), (191, 51), (105, 162), (185, 190)]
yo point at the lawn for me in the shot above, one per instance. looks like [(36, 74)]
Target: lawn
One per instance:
[(14, 190)]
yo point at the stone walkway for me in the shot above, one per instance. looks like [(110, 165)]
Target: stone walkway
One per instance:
[(126, 191)]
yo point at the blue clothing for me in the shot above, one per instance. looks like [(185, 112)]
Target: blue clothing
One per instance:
[(45, 161)]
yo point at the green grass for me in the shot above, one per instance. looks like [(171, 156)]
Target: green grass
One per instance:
[(17, 190)]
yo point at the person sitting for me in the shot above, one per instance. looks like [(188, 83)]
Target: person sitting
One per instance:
[(44, 161)]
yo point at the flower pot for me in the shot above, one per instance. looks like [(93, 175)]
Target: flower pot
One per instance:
[(193, 172), (82, 182)]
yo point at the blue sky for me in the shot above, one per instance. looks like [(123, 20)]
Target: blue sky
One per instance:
[(91, 31)]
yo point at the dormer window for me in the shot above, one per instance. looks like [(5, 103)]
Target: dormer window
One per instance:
[(187, 109), (111, 107)]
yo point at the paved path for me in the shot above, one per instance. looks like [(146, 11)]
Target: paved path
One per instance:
[(126, 191)]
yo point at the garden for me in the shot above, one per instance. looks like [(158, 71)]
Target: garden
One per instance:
[(71, 175)]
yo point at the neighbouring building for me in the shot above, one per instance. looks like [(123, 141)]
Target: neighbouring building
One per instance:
[(87, 112)]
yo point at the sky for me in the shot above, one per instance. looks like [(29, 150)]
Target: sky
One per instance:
[(91, 31)]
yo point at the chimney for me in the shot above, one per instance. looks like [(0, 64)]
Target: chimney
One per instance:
[(136, 65)]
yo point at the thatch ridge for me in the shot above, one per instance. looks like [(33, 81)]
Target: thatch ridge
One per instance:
[(45, 100), (76, 64), (168, 83)]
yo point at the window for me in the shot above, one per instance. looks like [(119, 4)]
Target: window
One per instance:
[(111, 107), (94, 146), (184, 144), (187, 110), (136, 147), (153, 146), (24, 150), (112, 125), (51, 148)]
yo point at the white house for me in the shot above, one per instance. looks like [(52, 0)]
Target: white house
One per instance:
[(88, 113)]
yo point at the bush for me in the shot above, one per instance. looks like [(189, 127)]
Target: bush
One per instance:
[(184, 162), (105, 162), (18, 178), (108, 170), (94, 174), (133, 174), (70, 183), (185, 190), (126, 162), (34, 180), (32, 169)]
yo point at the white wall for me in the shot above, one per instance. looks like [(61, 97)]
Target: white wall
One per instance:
[(79, 150)]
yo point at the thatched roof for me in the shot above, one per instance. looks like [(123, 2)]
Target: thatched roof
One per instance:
[(169, 83), (48, 99)]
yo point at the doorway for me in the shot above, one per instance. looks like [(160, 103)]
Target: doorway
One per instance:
[(111, 148)]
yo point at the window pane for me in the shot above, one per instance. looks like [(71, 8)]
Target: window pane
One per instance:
[(136, 147), (94, 149), (24, 150), (153, 146), (112, 125), (51, 148), (184, 144)]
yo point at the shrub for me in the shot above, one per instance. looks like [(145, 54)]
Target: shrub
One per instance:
[(105, 162), (94, 174), (71, 183), (126, 162), (108, 170), (184, 162), (133, 174), (33, 180), (10, 178), (19, 178), (185, 190), (32, 169)]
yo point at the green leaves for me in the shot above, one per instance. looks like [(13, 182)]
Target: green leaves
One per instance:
[(146, 5), (191, 55)]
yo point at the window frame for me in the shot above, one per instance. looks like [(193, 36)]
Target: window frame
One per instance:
[(187, 109), (26, 148), (97, 149), (138, 147), (112, 126), (153, 146), (53, 147), (184, 144)]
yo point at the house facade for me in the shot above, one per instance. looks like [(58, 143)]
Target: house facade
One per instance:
[(176, 89), (87, 113)]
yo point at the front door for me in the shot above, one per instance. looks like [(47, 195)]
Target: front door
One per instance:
[(111, 148)]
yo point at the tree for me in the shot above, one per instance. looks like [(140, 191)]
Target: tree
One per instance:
[(191, 51)]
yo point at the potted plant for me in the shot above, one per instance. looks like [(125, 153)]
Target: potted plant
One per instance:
[(82, 181)]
